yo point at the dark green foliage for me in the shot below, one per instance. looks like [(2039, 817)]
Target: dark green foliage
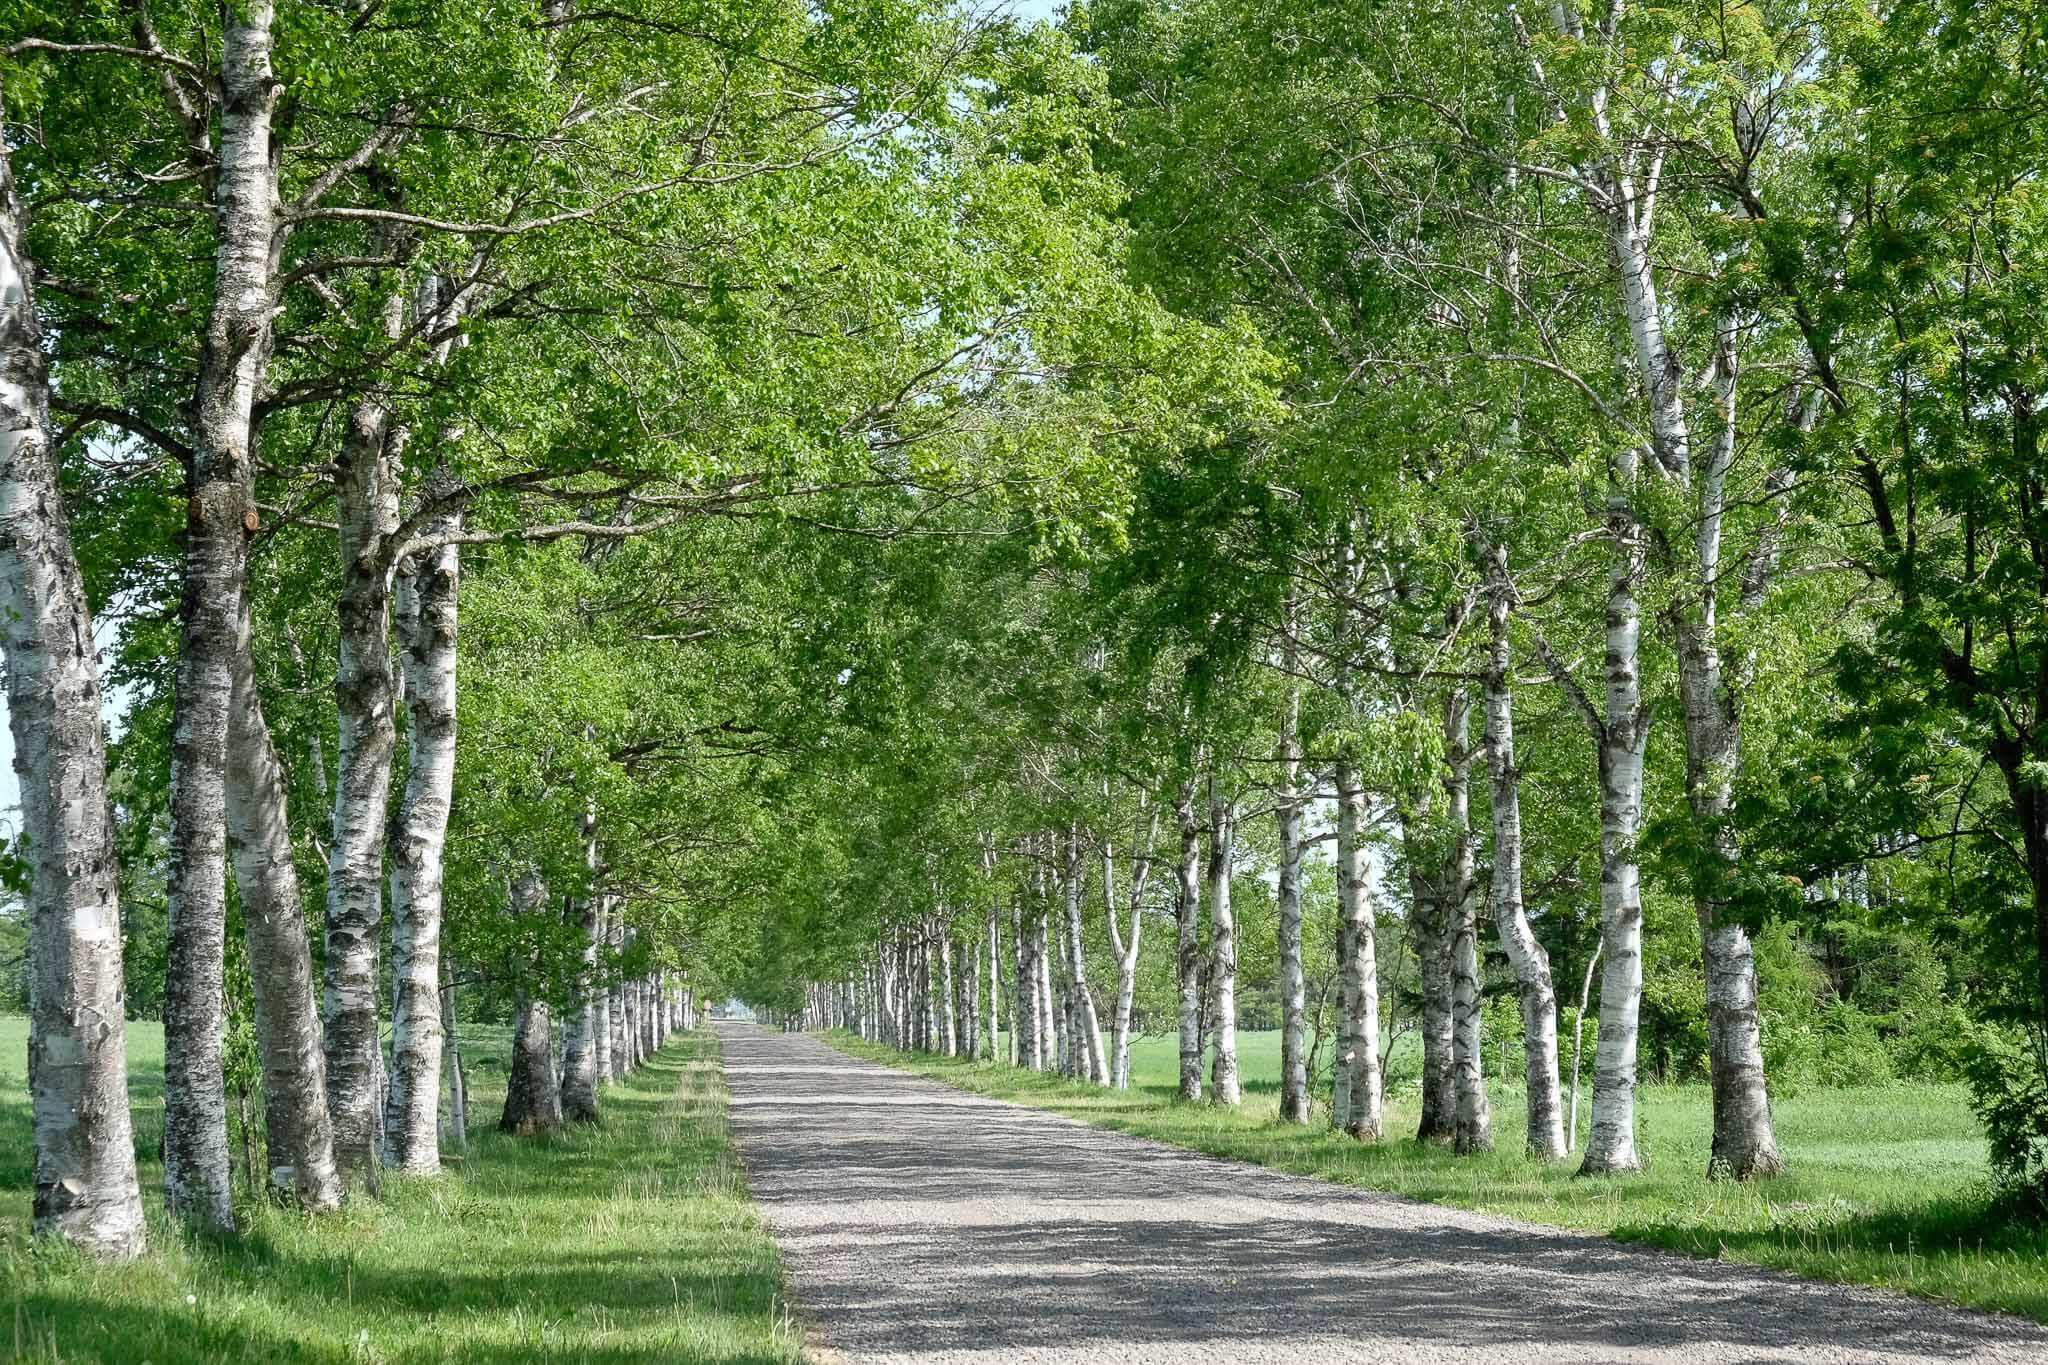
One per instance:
[(2008, 1075)]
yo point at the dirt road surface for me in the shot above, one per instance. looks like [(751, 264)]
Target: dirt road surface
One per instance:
[(921, 1224)]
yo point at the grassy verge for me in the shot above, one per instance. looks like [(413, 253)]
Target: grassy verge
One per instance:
[(1887, 1185), (630, 1241)]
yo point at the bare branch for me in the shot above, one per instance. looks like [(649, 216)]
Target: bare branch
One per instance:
[(138, 54)]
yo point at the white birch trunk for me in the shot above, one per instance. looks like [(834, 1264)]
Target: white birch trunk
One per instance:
[(86, 1189), (629, 1026), (1127, 944), (297, 1130), (949, 1038), (1223, 944), (927, 992), (1359, 1079), (1531, 964), (1188, 941), (636, 1012), (650, 1033), (914, 988), (1624, 735), (1293, 981), (1047, 1045), (970, 1007), (458, 1097), (1745, 1143), (1429, 928), (532, 1099), (427, 593), (1358, 1103), (991, 1004), (601, 998), (887, 977), (621, 1054), (1090, 1054), (1020, 1012), (1051, 1011), (885, 997), (906, 992), (1473, 1131), (1571, 1140), (579, 1051), (366, 501), (219, 516)]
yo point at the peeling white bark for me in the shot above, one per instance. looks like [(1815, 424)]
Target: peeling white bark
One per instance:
[(1431, 920), (991, 1006), (297, 1130), (457, 1135), (1088, 1046), (1223, 944), (620, 1051), (1188, 946), (1046, 1049), (1623, 737), (1358, 1087), (579, 1051), (1571, 1140), (1531, 964), (600, 998), (1126, 943), (1293, 981), (233, 350), (1745, 1144), (1473, 1131), (366, 503), (949, 1037), (86, 1190), (1359, 1078)]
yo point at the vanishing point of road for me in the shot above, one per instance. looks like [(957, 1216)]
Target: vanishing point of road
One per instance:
[(922, 1224)]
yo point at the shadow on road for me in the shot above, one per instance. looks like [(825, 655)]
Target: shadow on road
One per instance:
[(919, 1222)]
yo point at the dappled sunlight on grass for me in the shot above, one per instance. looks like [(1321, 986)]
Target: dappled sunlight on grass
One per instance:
[(630, 1240), (1887, 1184)]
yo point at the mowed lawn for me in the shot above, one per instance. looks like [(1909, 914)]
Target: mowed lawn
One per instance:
[(631, 1241), (1888, 1185)]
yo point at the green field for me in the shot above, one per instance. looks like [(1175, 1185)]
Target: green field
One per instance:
[(1888, 1185), (632, 1241)]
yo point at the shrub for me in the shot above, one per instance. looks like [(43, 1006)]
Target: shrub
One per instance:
[(1853, 1052), (1934, 1044), (1792, 1053), (2008, 1075)]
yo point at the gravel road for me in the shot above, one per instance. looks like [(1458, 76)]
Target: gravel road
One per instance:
[(922, 1224)]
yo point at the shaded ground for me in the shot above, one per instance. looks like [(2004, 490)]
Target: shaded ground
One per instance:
[(630, 1242), (921, 1223)]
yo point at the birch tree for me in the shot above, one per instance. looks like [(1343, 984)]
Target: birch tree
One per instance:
[(1525, 953), (1223, 944), (85, 1183)]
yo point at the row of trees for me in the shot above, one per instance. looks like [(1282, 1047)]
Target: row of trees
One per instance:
[(1655, 520), (895, 485), (351, 349)]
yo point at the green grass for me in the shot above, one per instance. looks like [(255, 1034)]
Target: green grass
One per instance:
[(631, 1241), (1888, 1185)]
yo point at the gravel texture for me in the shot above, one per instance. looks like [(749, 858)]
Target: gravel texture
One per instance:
[(919, 1223)]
